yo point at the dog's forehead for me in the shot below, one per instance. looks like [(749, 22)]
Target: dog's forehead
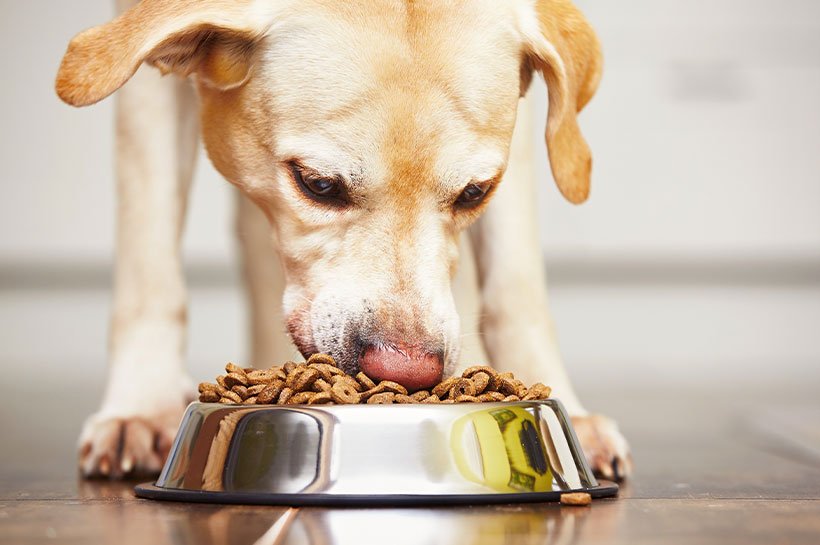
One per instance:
[(437, 77)]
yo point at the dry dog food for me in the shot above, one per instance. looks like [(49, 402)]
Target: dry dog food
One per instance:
[(576, 498), (318, 381)]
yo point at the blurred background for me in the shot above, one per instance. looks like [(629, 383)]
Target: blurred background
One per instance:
[(696, 261)]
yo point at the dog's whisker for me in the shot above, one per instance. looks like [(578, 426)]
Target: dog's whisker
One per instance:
[(309, 300)]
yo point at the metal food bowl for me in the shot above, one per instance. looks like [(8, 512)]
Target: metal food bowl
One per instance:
[(375, 455)]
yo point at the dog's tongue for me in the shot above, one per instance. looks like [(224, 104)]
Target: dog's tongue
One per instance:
[(410, 367)]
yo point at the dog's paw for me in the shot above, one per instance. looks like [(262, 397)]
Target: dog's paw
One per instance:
[(606, 449), (121, 447)]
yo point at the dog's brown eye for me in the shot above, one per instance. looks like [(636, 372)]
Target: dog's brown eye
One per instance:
[(322, 187), (472, 195), (319, 188)]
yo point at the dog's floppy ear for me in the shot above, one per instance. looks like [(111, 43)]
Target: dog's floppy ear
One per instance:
[(213, 38), (565, 49)]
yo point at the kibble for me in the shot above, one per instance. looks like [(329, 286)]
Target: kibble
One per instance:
[(576, 498), (383, 398), (342, 392), (319, 381)]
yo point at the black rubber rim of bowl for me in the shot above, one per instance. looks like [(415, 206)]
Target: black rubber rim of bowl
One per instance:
[(150, 491)]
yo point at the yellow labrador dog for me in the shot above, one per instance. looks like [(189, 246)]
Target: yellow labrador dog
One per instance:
[(370, 134)]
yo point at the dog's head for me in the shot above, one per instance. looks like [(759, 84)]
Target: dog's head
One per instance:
[(370, 133)]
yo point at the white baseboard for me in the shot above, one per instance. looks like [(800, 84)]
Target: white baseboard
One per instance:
[(618, 336)]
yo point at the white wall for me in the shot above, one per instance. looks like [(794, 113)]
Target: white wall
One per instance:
[(705, 132), (56, 166), (706, 138)]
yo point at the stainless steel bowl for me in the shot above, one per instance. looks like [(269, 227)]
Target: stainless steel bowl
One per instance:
[(375, 454)]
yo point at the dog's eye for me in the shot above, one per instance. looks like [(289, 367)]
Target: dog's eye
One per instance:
[(472, 195), (319, 188), (322, 187)]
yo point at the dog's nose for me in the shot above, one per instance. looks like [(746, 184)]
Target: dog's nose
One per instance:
[(413, 368)]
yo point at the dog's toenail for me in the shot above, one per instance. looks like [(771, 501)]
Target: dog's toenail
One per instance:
[(127, 464), (105, 466), (606, 470), (616, 469)]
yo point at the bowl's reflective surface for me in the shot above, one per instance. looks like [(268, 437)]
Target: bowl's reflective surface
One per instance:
[(525, 451)]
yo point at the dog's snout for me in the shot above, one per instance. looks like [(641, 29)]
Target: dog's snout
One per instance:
[(412, 367)]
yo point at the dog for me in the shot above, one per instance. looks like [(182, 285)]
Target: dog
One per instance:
[(366, 137)]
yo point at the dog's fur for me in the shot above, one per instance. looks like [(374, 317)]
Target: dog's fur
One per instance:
[(405, 103)]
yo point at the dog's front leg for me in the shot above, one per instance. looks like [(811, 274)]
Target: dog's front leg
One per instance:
[(147, 387), (516, 326), (264, 285)]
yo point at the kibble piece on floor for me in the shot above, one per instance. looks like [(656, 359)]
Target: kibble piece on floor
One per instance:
[(576, 498)]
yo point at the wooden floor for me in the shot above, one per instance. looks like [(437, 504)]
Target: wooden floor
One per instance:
[(712, 467)]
